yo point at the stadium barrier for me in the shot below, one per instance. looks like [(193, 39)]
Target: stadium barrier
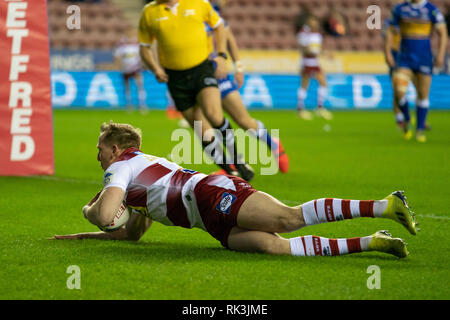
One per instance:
[(26, 126), (266, 91)]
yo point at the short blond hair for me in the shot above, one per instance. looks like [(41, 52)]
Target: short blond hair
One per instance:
[(122, 134)]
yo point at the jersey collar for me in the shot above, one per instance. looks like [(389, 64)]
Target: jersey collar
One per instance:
[(418, 5), (128, 154)]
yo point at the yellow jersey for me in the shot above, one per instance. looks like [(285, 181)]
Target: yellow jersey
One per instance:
[(180, 31)]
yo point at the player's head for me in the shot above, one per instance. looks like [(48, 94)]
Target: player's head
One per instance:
[(114, 139), (313, 23), (130, 33)]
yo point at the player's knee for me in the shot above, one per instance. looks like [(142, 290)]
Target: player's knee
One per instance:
[(401, 83), (290, 220), (215, 118)]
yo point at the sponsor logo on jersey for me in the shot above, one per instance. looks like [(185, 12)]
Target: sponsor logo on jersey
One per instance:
[(107, 178), (224, 205)]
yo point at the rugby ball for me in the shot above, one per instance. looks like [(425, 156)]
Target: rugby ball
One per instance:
[(120, 219)]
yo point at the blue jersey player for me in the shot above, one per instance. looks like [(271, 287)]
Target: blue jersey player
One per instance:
[(416, 20)]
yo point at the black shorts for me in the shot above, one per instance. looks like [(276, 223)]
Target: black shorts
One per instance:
[(185, 85)]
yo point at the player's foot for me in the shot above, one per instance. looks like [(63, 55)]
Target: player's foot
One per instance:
[(324, 113), (420, 136), (182, 123), (172, 113), (399, 211), (281, 156), (382, 241), (407, 132), (305, 115), (401, 125), (246, 171)]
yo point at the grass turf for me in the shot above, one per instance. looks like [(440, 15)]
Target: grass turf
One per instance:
[(357, 155)]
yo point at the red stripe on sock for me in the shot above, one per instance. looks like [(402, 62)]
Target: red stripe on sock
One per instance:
[(315, 209), (304, 246), (345, 207), (353, 245), (329, 212), (317, 246), (366, 208), (334, 247)]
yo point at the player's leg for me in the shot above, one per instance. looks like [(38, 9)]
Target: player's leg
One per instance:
[(423, 104), (210, 144), (233, 105), (210, 102), (399, 117), (402, 77), (262, 212), (271, 243), (301, 96), (322, 92), (126, 86), (141, 91)]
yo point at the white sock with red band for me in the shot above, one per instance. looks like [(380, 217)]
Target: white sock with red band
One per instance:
[(330, 209), (319, 246)]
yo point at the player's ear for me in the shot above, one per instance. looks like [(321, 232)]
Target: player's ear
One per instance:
[(115, 149)]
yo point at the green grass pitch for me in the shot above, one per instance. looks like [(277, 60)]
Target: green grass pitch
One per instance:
[(359, 155)]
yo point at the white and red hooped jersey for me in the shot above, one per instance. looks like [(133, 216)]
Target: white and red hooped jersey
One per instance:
[(157, 188), (128, 53), (311, 44)]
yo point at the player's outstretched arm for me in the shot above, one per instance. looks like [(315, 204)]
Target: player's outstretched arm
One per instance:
[(135, 228)]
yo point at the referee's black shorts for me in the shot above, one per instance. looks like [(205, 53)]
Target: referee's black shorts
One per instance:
[(185, 85)]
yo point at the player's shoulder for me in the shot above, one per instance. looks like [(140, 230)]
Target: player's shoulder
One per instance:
[(435, 13), (149, 7)]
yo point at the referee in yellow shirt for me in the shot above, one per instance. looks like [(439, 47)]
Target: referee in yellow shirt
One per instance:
[(178, 26)]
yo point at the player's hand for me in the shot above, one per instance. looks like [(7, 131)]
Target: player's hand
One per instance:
[(439, 62), (221, 69), (161, 75), (239, 78)]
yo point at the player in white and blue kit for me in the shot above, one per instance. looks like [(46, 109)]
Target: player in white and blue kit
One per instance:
[(416, 20)]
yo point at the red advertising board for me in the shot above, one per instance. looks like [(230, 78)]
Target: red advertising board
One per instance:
[(26, 122)]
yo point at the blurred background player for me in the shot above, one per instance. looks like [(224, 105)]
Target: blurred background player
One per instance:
[(416, 21), (232, 101), (310, 41), (182, 62), (394, 39), (127, 56)]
